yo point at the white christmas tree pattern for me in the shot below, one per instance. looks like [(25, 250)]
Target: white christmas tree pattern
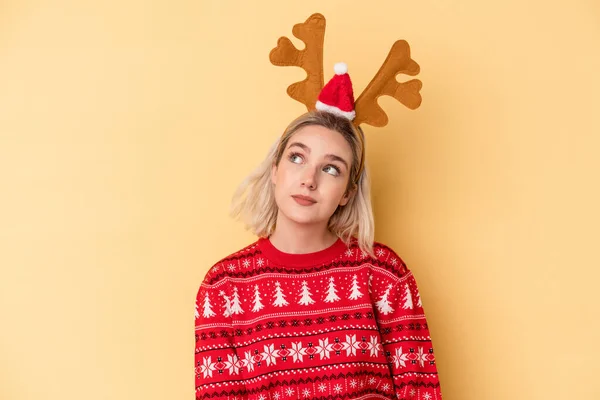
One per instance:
[(355, 289), (196, 313), (419, 304), (305, 295), (331, 292), (208, 312), (257, 304), (236, 306), (226, 304), (280, 300), (408, 302), (384, 304)]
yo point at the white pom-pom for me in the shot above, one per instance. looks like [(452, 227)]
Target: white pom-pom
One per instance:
[(340, 68)]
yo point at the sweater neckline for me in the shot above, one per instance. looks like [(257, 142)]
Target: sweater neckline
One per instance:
[(304, 259)]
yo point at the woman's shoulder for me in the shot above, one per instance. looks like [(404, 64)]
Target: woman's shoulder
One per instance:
[(232, 264), (383, 256)]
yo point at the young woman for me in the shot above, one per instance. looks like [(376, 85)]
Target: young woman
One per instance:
[(314, 308)]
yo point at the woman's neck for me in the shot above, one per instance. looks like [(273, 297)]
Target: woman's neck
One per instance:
[(294, 239)]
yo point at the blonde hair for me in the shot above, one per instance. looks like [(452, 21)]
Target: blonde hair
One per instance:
[(254, 199)]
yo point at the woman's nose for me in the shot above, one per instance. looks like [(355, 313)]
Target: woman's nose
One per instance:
[(309, 178)]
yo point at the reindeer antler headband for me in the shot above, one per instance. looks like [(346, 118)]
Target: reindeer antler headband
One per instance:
[(337, 96)]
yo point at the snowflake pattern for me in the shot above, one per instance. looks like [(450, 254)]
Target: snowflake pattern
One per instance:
[(325, 346), (269, 354), (232, 364), (207, 367), (422, 357), (297, 352), (351, 345), (400, 358), (374, 346)]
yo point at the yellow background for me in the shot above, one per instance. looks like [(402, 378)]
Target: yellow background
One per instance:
[(125, 126)]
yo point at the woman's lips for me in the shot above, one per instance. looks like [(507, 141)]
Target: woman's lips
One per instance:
[(304, 200)]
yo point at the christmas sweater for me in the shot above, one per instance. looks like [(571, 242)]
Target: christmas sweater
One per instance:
[(333, 324)]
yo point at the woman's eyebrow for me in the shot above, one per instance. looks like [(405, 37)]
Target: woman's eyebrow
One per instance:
[(301, 145), (332, 157), (337, 158)]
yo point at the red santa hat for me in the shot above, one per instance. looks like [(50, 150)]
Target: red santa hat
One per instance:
[(337, 96)]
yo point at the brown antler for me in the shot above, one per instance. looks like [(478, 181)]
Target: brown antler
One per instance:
[(385, 83), (312, 33)]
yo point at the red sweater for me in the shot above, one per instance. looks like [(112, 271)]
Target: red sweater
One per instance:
[(334, 324)]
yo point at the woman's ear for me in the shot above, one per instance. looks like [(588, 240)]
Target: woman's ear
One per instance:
[(273, 173), (348, 195)]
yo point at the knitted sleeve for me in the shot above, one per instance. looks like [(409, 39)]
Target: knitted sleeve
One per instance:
[(215, 355), (406, 340)]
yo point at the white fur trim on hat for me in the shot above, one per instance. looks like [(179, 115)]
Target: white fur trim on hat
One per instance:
[(340, 68), (334, 110)]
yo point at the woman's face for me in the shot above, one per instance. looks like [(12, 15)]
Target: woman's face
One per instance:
[(312, 175)]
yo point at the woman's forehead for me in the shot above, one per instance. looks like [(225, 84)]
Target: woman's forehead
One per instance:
[(320, 138)]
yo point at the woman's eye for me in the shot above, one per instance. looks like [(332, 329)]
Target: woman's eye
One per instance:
[(295, 158), (330, 169)]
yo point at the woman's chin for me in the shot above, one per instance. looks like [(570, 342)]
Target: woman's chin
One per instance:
[(302, 218)]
